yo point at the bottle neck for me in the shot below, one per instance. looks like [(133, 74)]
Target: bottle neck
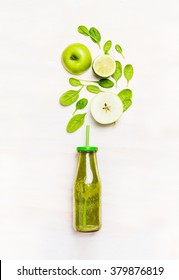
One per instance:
[(87, 166)]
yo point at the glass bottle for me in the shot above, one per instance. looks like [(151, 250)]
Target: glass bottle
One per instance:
[(87, 192)]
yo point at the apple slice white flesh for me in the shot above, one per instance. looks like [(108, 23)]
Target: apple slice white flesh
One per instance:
[(106, 108)]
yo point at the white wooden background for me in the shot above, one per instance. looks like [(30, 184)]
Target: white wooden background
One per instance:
[(138, 158)]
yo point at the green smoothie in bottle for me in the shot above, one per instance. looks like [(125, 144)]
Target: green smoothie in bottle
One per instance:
[(87, 190)]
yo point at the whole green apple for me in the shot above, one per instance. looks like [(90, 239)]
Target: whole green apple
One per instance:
[(76, 58)]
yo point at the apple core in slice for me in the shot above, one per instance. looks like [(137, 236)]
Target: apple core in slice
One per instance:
[(106, 108), (104, 65)]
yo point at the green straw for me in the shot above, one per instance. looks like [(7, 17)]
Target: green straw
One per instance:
[(87, 135)]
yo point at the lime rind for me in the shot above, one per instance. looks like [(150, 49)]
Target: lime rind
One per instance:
[(104, 65)]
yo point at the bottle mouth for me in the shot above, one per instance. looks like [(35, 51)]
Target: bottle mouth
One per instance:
[(87, 149)]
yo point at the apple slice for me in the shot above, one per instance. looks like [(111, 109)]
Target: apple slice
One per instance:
[(106, 108)]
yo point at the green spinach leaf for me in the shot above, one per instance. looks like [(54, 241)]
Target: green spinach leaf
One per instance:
[(93, 89), (126, 104), (118, 72), (95, 35), (75, 82), (107, 46), (83, 30), (75, 122), (81, 104), (128, 72), (125, 94), (105, 83), (119, 49), (69, 97)]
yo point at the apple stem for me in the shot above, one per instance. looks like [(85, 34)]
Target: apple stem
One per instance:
[(73, 57)]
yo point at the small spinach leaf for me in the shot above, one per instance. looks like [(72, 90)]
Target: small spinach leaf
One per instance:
[(81, 104), (118, 72), (119, 49), (75, 122), (128, 72), (83, 30), (125, 94), (69, 97), (105, 83), (75, 82), (126, 104), (93, 89), (107, 46), (95, 35)]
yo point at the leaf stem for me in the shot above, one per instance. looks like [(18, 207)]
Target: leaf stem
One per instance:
[(88, 81), (108, 91), (74, 112), (81, 88)]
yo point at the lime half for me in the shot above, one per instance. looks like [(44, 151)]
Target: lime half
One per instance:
[(104, 65)]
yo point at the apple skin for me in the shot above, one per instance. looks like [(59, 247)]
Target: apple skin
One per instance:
[(76, 58)]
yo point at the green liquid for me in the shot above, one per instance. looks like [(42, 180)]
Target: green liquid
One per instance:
[(87, 194)]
